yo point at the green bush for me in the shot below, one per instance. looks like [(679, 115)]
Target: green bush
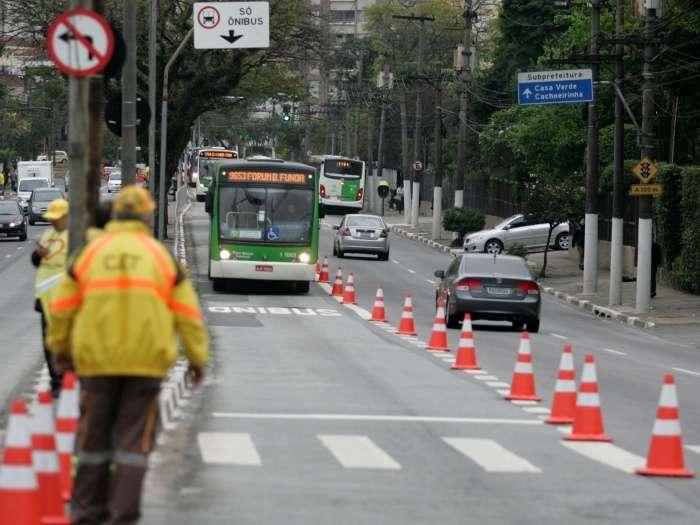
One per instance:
[(668, 216), (463, 221), (517, 249), (686, 267)]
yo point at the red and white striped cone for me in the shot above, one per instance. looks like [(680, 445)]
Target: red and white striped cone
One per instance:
[(438, 336), (564, 400), (67, 416), (522, 386), (337, 290), (406, 325), (466, 352), (317, 271), (378, 310), (46, 460), (665, 457), (19, 489), (588, 418), (323, 276), (349, 290)]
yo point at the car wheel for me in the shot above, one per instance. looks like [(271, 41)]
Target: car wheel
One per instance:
[(517, 325), (384, 256), (533, 325), (339, 253), (335, 250), (23, 237), (562, 241), (452, 320), (302, 287), (493, 246)]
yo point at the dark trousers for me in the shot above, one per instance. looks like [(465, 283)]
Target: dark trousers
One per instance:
[(56, 377), (654, 269), (118, 418)]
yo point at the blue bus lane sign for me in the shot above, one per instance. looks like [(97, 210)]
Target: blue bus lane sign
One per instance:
[(569, 86)]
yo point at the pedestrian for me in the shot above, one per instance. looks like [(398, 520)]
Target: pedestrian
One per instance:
[(49, 257), (656, 260), (577, 238), (116, 315), (13, 179), (2, 183), (102, 216)]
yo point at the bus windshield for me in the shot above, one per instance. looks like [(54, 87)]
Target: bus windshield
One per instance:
[(264, 214), (342, 168)]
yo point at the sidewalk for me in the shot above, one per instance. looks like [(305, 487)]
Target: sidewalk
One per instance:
[(564, 280)]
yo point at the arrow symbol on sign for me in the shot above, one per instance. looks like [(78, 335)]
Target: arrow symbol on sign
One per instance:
[(68, 36), (527, 93), (231, 37)]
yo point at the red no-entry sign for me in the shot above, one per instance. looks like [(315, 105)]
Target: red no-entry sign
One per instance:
[(80, 42)]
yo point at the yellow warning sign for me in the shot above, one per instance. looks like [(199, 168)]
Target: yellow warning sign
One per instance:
[(640, 190), (645, 170)]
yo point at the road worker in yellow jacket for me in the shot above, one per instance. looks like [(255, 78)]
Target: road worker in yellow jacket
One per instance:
[(115, 317)]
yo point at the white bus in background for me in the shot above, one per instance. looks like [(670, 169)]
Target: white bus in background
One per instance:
[(341, 182)]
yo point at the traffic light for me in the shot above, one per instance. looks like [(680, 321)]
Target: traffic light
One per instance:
[(286, 113)]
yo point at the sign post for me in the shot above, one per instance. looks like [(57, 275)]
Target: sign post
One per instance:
[(231, 25), (568, 86)]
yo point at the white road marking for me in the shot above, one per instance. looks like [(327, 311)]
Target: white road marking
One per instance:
[(558, 336), (490, 455), (497, 384), (523, 402), (693, 448), (476, 372), (410, 271), (486, 378), (364, 314), (375, 417), (431, 281), (608, 454), (8, 256), (616, 352), (536, 410), (503, 391), (395, 261), (564, 429), (685, 371), (358, 452), (228, 448)]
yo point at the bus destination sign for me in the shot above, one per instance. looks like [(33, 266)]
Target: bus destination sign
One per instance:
[(270, 177), (218, 154)]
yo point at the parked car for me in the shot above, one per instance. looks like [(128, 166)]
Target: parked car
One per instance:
[(517, 230), (114, 183), (13, 222), (490, 287), (39, 201), (362, 234)]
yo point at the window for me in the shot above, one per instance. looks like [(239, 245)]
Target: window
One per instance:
[(490, 265), (342, 168), (365, 222), (9, 208), (342, 16), (46, 195), (32, 184)]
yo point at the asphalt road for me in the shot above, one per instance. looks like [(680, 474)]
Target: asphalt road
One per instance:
[(315, 415)]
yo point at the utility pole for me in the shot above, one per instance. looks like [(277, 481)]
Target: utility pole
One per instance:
[(129, 95), (406, 163), (437, 188), (370, 188), (465, 78), (644, 235), (152, 85), (95, 136), (590, 255), (382, 124), (618, 211)]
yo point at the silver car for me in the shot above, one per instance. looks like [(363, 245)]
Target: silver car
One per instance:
[(362, 234), (517, 230)]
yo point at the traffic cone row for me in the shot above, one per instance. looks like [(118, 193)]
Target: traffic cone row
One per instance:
[(323, 275), (466, 353), (35, 475), (523, 384), (378, 310), (349, 290), (337, 290), (564, 400)]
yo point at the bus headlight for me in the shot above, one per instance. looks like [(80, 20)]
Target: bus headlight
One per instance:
[(225, 254), (304, 257)]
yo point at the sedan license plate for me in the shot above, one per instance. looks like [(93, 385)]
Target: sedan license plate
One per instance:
[(263, 267), (498, 291)]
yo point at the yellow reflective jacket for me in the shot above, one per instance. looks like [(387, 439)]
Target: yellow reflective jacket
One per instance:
[(120, 305), (51, 266)]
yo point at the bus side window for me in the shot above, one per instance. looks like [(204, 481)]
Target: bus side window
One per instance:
[(209, 202)]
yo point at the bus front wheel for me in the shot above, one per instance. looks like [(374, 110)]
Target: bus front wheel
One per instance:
[(302, 286)]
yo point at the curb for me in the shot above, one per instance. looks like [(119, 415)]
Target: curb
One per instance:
[(600, 311)]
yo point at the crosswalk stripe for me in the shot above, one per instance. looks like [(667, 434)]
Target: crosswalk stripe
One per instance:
[(490, 455), (228, 448), (608, 454), (693, 448), (357, 452)]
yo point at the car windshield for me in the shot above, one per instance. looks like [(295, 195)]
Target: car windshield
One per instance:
[(115, 175), (510, 219), (9, 208), (489, 265), (342, 169), (46, 195), (264, 214), (32, 184), (364, 222)]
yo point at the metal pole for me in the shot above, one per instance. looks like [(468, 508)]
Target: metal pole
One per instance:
[(152, 84), (437, 188), (616, 239), (418, 130), (164, 137), (404, 157), (644, 236), (590, 255), (372, 182), (465, 77), (129, 95), (380, 142)]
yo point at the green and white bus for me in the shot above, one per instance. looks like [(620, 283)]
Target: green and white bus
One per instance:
[(341, 182), (202, 166), (264, 222)]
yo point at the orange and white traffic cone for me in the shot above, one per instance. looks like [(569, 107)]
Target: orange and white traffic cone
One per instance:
[(19, 488), (337, 290), (438, 336), (665, 457), (46, 461), (588, 417), (378, 310), (349, 290), (466, 352), (564, 401), (67, 416), (406, 325), (323, 276), (317, 272), (522, 386)]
